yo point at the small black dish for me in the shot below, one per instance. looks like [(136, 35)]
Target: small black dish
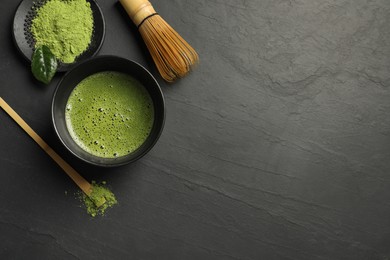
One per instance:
[(24, 41), (92, 66)]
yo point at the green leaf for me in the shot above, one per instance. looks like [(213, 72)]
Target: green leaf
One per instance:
[(43, 64)]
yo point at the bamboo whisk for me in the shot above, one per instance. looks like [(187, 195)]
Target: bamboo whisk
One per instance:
[(173, 56)]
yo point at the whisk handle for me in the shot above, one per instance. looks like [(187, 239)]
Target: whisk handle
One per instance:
[(138, 10)]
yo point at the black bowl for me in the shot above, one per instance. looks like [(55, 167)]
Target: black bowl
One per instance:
[(92, 66)]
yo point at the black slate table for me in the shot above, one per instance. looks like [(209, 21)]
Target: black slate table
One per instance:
[(276, 147)]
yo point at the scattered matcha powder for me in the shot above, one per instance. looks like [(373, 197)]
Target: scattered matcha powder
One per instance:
[(99, 191), (65, 26)]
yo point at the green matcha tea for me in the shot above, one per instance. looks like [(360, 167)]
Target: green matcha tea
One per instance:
[(109, 114)]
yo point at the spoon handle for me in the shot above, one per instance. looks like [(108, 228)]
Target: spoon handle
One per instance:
[(84, 185)]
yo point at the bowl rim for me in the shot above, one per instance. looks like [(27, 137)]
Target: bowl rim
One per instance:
[(130, 160)]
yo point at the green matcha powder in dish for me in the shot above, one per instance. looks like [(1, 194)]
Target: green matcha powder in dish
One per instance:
[(65, 26)]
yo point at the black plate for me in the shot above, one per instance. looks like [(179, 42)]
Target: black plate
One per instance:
[(24, 40)]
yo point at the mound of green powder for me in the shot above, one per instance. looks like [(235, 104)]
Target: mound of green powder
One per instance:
[(65, 26), (99, 191)]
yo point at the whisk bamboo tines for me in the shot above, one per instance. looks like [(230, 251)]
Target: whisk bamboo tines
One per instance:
[(173, 56)]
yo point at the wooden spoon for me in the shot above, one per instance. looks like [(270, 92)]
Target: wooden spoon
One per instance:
[(84, 185)]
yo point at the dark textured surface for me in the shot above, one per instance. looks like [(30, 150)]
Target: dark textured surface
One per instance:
[(276, 147)]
